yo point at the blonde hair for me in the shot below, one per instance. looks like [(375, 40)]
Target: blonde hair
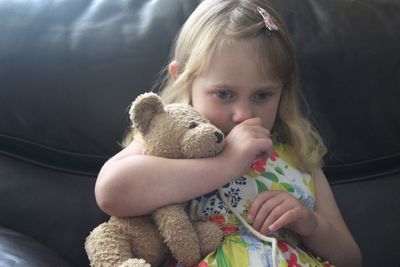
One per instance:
[(217, 23)]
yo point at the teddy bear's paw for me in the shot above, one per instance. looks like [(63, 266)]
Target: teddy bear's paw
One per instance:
[(134, 263)]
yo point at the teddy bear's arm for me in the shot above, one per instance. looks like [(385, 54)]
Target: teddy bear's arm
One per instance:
[(178, 233)]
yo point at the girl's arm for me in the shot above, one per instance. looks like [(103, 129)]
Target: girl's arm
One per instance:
[(331, 239), (131, 184)]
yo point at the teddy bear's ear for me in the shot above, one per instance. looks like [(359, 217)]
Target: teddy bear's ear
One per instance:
[(143, 110)]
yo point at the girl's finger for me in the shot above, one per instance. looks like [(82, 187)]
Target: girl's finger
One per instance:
[(260, 209), (275, 216), (265, 212), (286, 218), (252, 121)]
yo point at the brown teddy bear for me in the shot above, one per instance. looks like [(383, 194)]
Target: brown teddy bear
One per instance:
[(172, 131)]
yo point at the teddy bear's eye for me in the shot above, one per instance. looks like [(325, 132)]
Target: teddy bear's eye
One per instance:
[(193, 124)]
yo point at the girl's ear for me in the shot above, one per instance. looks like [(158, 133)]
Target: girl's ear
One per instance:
[(173, 69)]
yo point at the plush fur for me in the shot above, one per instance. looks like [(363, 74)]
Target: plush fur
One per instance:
[(171, 131)]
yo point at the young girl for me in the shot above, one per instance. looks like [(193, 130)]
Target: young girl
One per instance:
[(233, 61)]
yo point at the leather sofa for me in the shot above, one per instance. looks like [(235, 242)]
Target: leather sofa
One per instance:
[(70, 68)]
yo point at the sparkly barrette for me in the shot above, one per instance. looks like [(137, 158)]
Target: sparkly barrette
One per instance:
[(268, 20)]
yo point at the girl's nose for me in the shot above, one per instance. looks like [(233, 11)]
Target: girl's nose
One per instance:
[(242, 112)]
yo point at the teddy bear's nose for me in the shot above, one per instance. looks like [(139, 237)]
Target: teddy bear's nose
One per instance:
[(219, 136)]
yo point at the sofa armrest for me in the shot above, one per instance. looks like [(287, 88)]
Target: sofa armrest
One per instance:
[(19, 250)]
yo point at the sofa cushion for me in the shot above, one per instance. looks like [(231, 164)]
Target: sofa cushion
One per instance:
[(18, 250)]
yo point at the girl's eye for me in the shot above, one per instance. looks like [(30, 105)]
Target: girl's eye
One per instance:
[(225, 95), (261, 96)]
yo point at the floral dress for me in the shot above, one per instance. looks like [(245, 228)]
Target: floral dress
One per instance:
[(239, 247)]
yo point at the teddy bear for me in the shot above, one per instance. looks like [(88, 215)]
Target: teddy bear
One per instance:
[(171, 131)]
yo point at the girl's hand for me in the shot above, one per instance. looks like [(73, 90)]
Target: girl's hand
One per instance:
[(245, 143), (273, 210)]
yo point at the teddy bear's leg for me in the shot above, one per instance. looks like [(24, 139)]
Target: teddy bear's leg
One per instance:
[(108, 244), (209, 235), (178, 233), (116, 242)]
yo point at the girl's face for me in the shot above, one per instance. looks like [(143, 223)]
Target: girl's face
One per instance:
[(234, 89)]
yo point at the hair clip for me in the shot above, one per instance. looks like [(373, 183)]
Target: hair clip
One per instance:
[(268, 20)]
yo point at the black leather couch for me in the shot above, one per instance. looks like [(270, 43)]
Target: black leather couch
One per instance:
[(70, 68)]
